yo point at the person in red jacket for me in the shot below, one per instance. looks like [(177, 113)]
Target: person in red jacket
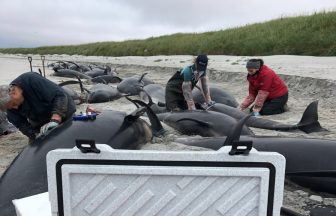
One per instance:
[(267, 90)]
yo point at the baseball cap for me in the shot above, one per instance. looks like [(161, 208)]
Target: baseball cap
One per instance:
[(253, 64), (202, 62)]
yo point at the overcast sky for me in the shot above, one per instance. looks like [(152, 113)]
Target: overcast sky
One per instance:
[(55, 22)]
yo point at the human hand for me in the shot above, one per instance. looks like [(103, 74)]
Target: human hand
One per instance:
[(191, 108), (256, 114), (47, 127), (191, 105), (211, 103)]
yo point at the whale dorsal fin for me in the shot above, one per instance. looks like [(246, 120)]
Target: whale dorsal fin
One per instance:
[(129, 120), (135, 114), (142, 76), (309, 122), (236, 131), (157, 127)]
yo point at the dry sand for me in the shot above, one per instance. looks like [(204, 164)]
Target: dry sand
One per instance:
[(309, 78)]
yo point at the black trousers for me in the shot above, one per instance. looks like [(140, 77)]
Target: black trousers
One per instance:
[(175, 100), (174, 95), (274, 106)]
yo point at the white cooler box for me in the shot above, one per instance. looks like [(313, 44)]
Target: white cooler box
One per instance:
[(134, 182)]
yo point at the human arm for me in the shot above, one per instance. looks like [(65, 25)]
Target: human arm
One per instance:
[(249, 99), (49, 92), (187, 88), (263, 92), (187, 93), (260, 100), (21, 123), (206, 89)]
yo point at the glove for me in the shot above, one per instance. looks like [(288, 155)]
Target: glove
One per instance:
[(47, 127), (211, 103), (256, 114), (206, 106)]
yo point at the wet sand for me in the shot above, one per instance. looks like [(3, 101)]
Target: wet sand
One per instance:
[(308, 78)]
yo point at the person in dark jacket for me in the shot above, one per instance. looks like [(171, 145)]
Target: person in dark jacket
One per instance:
[(267, 90), (35, 105), (180, 85)]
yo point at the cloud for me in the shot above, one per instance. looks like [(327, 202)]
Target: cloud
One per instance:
[(56, 22)]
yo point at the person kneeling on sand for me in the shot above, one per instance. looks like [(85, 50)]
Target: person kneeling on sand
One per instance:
[(267, 90), (180, 85), (35, 105)]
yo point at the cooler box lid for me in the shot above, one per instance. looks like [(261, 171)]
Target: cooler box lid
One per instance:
[(138, 182)]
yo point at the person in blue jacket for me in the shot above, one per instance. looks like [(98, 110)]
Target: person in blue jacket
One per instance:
[(35, 105), (180, 85)]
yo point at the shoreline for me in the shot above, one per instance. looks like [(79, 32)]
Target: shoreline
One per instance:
[(305, 66), (300, 73)]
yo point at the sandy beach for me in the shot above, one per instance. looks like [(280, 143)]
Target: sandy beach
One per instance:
[(308, 78)]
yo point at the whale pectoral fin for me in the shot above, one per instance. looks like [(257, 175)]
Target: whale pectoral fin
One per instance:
[(202, 123), (309, 122)]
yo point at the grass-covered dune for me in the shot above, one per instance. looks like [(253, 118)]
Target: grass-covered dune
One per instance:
[(303, 35)]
